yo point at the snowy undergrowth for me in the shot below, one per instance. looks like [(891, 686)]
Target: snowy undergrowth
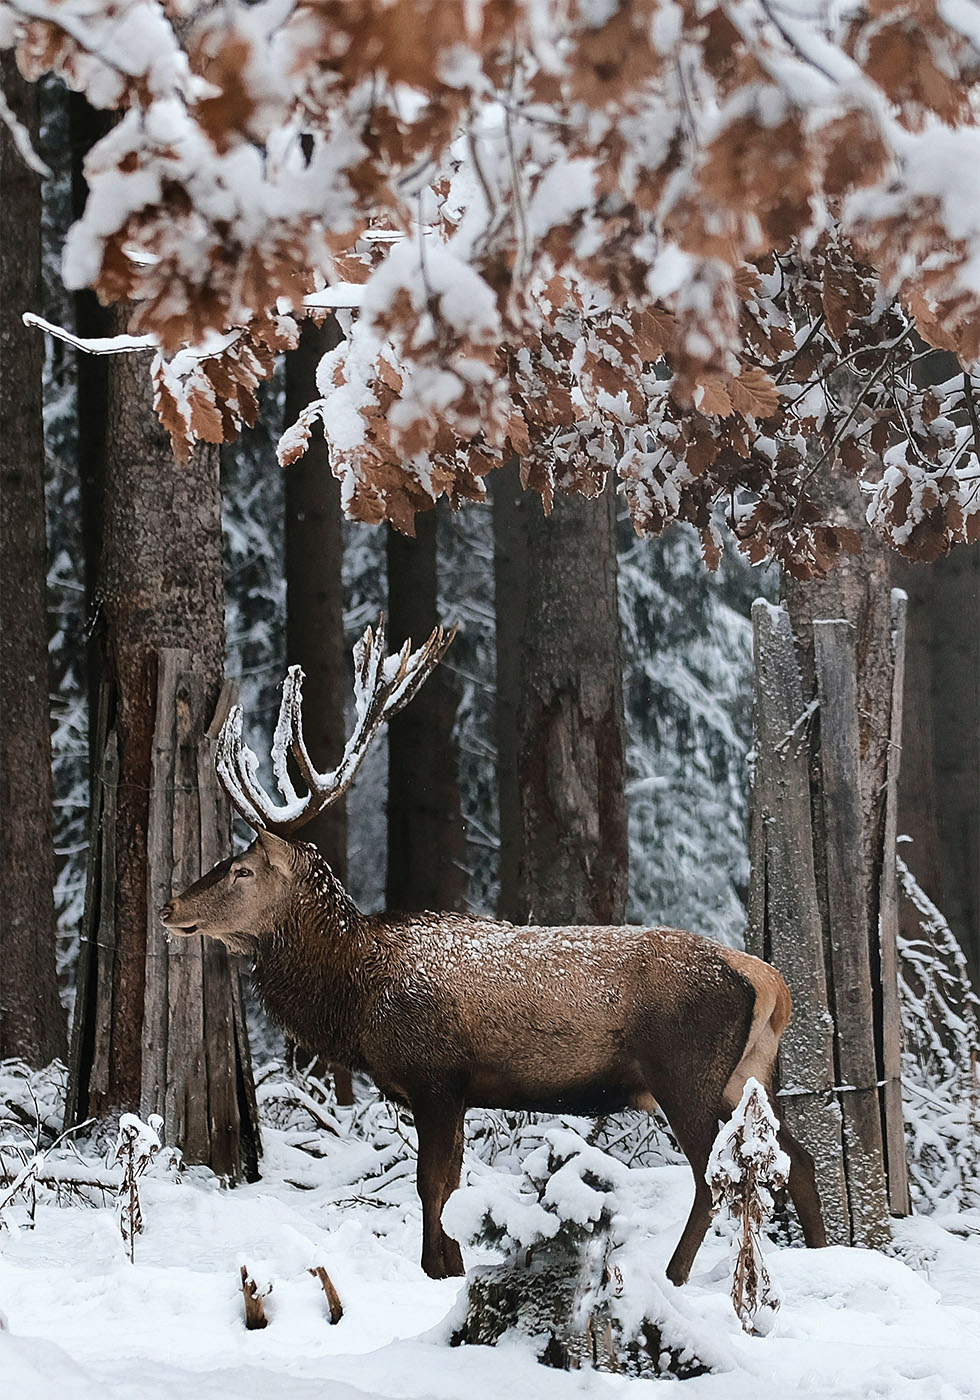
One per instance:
[(82, 1321)]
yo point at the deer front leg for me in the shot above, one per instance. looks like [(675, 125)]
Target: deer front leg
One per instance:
[(439, 1124)]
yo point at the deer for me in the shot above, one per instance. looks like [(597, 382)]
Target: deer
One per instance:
[(451, 1011)]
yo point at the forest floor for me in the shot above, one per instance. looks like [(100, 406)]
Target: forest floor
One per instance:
[(82, 1321)]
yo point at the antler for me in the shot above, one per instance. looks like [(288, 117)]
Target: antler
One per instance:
[(382, 686)]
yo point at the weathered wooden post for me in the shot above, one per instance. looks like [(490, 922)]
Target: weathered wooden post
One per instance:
[(196, 1069), (846, 929), (785, 925), (811, 846), (888, 904)]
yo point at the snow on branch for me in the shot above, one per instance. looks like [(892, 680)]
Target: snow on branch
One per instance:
[(93, 345), (22, 140)]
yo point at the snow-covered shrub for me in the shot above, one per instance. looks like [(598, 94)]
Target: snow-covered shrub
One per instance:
[(136, 1146), (576, 1279)]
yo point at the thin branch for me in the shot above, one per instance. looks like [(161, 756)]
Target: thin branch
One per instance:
[(22, 140)]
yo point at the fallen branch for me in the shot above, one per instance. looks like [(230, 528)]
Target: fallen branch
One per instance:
[(298, 1098), (333, 1297)]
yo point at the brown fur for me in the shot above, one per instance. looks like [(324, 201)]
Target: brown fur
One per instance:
[(448, 1012)]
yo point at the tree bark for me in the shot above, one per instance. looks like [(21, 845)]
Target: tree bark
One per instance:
[(87, 125), (426, 843), (314, 589), (939, 791), (160, 587), (315, 604), (32, 1021), (564, 854)]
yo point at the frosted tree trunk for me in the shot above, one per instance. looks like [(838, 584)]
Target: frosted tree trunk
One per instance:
[(560, 709), (160, 587), (32, 1022), (426, 843)]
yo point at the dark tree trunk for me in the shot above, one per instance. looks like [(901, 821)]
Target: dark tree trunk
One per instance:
[(315, 604), (564, 855), (86, 127), (160, 588), (314, 590), (32, 1022), (939, 798), (426, 843)]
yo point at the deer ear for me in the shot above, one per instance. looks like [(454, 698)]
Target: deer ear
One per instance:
[(277, 852)]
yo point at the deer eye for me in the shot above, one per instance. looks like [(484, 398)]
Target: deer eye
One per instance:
[(242, 870)]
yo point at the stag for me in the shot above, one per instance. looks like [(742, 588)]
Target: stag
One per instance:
[(450, 1011)]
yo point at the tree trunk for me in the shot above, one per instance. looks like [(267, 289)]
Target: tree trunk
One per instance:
[(939, 797), (315, 605), (560, 722), (32, 1021), (314, 590), (426, 844), (87, 125), (160, 587)]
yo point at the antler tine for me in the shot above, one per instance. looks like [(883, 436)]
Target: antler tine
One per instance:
[(235, 764), (382, 686)]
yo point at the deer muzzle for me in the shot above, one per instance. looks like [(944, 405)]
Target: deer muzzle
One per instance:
[(170, 920)]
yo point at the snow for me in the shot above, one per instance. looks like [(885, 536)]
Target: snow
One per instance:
[(82, 1321)]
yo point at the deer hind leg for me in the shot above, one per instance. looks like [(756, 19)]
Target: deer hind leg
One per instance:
[(803, 1192), (696, 1136), (452, 1256), (758, 1061), (440, 1130)]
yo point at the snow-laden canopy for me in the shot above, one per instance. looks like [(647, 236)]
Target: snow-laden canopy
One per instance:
[(683, 240)]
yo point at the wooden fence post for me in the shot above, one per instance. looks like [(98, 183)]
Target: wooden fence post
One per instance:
[(196, 1070), (847, 927), (808, 912), (785, 922), (891, 1013)]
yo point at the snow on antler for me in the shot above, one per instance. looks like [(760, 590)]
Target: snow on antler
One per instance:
[(382, 686)]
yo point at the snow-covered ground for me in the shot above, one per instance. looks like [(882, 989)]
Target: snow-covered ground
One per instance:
[(84, 1322)]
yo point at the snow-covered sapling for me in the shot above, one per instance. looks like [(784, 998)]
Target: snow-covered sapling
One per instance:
[(576, 1279), (747, 1165), (136, 1146)]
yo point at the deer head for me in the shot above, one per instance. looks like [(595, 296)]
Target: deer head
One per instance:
[(243, 895), (239, 898)]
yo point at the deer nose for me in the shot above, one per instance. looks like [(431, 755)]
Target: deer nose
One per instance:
[(167, 912)]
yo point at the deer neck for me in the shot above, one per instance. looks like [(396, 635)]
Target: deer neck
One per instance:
[(309, 967)]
